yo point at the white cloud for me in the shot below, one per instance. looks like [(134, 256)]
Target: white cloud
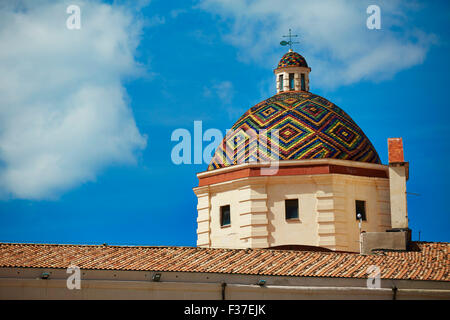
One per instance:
[(64, 115), (155, 21), (224, 91), (176, 12), (333, 36)]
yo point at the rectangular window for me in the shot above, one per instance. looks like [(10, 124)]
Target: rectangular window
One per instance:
[(291, 81), (280, 82), (291, 206), (225, 219), (303, 82), (360, 209)]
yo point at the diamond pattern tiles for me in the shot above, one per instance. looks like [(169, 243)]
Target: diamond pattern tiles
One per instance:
[(290, 126)]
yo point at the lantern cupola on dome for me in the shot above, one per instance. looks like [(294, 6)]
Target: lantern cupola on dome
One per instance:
[(292, 73)]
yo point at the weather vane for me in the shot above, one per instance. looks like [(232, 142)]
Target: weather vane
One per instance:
[(290, 42)]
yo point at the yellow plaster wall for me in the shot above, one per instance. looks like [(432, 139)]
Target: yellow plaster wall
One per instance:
[(327, 215)]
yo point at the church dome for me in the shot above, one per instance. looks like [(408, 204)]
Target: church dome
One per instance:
[(309, 127), (292, 59)]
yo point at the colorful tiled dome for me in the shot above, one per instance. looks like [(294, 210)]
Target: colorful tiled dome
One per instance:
[(292, 59), (309, 127)]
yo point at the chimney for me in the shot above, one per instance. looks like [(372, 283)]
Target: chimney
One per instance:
[(398, 175), (398, 237)]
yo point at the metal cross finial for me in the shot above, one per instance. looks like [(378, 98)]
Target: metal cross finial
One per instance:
[(290, 42)]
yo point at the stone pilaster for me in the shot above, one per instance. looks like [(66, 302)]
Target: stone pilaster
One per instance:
[(204, 217), (341, 222), (383, 204), (331, 220), (253, 220), (297, 81), (285, 81)]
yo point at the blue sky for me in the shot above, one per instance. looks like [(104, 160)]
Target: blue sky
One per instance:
[(106, 176)]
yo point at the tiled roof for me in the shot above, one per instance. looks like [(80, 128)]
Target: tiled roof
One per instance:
[(427, 261), (292, 59)]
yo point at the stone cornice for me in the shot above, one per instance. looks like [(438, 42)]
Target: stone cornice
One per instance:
[(294, 167)]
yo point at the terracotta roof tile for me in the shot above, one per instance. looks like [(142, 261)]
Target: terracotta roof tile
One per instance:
[(428, 260)]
